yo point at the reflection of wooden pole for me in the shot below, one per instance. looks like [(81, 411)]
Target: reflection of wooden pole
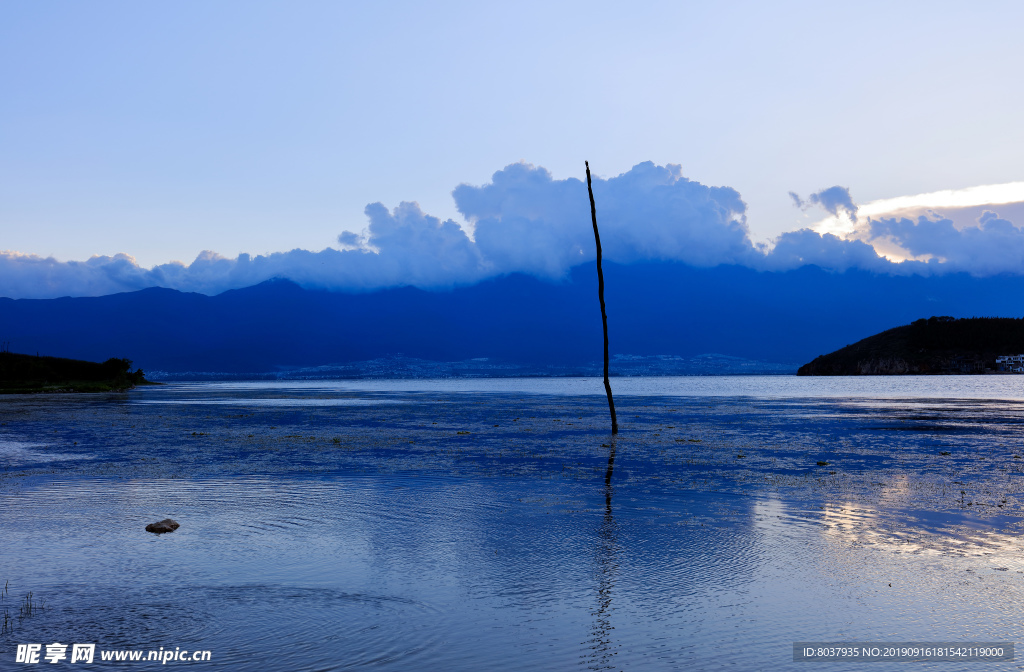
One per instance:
[(600, 294), (608, 480), (602, 646)]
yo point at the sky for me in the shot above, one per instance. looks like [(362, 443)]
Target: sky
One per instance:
[(196, 132)]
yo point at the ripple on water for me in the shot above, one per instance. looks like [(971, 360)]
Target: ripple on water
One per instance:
[(409, 573), (323, 628), (314, 628), (114, 616)]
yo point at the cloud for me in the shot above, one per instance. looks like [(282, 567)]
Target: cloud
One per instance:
[(963, 206), (834, 200), (350, 240), (409, 247), (993, 246), (527, 221), (805, 247), (985, 194), (524, 220), (399, 247), (32, 276)]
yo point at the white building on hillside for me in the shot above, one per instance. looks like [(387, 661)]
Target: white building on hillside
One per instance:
[(1013, 363)]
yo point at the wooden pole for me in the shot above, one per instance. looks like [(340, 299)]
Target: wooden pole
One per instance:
[(600, 295)]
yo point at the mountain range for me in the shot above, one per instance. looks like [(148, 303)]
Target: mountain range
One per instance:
[(657, 312)]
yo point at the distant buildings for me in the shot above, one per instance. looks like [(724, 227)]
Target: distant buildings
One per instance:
[(1014, 363), (966, 364)]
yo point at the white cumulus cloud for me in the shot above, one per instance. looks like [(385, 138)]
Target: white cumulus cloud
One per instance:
[(524, 220)]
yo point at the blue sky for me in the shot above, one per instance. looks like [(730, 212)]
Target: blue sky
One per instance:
[(161, 131)]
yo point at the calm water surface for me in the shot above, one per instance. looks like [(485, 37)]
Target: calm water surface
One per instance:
[(495, 524)]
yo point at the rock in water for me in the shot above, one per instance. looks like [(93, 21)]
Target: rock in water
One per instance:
[(165, 525)]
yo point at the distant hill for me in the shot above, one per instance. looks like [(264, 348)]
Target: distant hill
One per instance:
[(26, 373), (935, 345), (659, 311)]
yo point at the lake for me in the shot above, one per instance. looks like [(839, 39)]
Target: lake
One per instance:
[(469, 524)]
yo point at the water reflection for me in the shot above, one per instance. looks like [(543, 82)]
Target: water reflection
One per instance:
[(13, 453), (601, 654), (467, 532), (415, 573), (936, 533)]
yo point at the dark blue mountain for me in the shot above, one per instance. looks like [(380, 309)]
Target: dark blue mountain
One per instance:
[(653, 309)]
